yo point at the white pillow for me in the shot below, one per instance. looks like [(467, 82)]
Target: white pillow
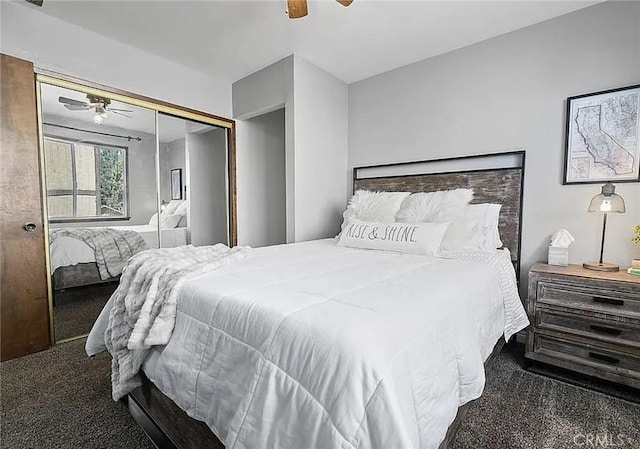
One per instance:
[(166, 221), (373, 206), (484, 219), (410, 238), (170, 208), (441, 206), (170, 221), (181, 209)]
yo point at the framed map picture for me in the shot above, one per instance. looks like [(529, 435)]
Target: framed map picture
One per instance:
[(603, 134)]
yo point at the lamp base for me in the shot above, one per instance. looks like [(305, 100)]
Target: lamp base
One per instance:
[(597, 266)]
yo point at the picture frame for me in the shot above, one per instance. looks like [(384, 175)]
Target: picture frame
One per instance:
[(176, 184), (602, 140)]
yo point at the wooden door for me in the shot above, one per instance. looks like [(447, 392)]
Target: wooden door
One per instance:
[(24, 307)]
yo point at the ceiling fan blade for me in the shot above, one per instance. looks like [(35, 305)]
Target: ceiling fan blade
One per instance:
[(119, 113), (118, 110), (72, 102), (345, 2), (77, 107), (297, 8)]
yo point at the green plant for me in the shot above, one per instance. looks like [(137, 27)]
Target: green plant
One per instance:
[(636, 232)]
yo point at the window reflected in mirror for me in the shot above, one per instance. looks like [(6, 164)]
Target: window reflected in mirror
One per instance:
[(85, 180)]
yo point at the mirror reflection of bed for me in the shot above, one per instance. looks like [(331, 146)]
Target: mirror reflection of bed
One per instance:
[(117, 184)]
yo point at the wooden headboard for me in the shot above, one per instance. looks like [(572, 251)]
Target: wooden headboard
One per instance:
[(494, 178)]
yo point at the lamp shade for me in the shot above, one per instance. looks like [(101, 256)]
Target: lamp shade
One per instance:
[(607, 201)]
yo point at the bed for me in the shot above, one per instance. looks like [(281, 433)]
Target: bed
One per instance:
[(73, 262), (315, 344)]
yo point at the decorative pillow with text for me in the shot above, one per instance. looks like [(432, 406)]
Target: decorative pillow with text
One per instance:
[(409, 238)]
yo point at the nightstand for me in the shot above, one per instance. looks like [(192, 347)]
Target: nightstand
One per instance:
[(586, 321)]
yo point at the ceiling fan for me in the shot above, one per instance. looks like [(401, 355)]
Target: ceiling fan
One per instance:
[(298, 8), (100, 105)]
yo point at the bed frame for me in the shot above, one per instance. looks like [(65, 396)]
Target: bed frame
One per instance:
[(78, 275), (497, 178)]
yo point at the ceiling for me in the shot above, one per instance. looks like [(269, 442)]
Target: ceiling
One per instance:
[(231, 39), (140, 120)]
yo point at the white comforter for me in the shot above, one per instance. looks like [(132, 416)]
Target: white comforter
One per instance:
[(317, 346)]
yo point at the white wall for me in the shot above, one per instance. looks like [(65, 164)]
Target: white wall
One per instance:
[(507, 93), (207, 187), (261, 179), (321, 128), (316, 114), (52, 44), (266, 90), (172, 155)]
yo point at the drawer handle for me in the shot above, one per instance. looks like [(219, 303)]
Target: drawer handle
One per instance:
[(604, 358), (605, 330), (614, 302)]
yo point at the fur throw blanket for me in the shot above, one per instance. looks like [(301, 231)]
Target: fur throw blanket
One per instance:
[(145, 304), (112, 247)]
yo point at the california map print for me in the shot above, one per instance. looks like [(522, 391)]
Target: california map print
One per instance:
[(603, 139)]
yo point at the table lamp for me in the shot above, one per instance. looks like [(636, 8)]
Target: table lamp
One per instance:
[(607, 201)]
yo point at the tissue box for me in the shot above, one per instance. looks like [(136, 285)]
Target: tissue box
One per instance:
[(558, 256)]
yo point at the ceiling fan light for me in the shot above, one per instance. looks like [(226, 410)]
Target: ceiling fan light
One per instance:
[(100, 110), (99, 118)]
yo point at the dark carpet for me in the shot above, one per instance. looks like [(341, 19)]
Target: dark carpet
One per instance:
[(524, 410), (76, 309), (61, 399)]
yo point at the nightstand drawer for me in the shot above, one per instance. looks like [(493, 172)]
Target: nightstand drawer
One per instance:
[(585, 298), (615, 332), (601, 359)]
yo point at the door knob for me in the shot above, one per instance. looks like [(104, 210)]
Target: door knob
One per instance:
[(29, 226)]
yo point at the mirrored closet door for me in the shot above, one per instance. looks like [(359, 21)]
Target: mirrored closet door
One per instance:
[(194, 171), (100, 185), (122, 175)]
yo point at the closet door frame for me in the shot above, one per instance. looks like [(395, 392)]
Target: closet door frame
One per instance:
[(158, 106)]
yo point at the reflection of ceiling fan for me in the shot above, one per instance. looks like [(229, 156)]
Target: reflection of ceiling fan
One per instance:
[(99, 104), (298, 8)]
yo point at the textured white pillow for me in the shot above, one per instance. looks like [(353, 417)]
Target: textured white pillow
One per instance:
[(409, 238), (170, 221), (373, 206), (441, 206), (172, 207), (166, 221), (484, 219), (181, 209)]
